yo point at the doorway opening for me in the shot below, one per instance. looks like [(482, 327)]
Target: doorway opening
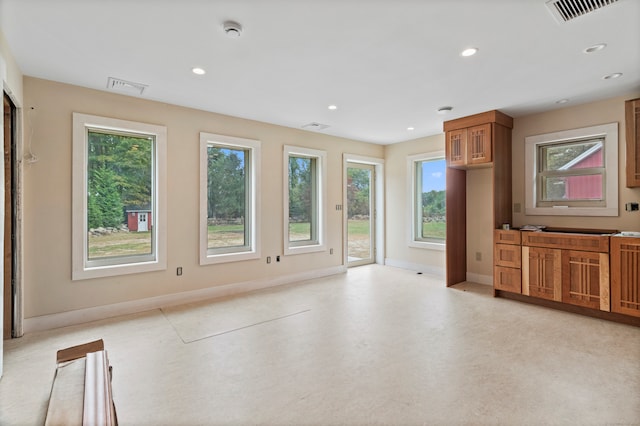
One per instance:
[(9, 280), (361, 243)]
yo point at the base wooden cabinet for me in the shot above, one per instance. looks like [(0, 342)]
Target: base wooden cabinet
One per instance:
[(507, 261), (625, 275), (567, 267), (591, 272)]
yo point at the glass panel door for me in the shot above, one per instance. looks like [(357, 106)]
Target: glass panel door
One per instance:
[(360, 214)]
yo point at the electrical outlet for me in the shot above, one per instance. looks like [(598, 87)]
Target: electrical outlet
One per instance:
[(179, 271), (330, 251), (277, 258), (631, 207), (478, 256), (268, 259)]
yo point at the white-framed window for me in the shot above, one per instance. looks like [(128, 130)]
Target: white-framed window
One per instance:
[(573, 172), (426, 175), (304, 200), (119, 205), (229, 202)]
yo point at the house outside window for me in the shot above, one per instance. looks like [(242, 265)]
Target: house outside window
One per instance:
[(573, 172), (229, 204), (118, 193)]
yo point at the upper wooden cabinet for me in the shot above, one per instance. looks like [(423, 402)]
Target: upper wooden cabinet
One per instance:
[(470, 140), (632, 118), (469, 146), (480, 140)]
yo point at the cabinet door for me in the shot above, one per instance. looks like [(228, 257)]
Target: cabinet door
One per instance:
[(585, 279), (542, 273), (479, 144), (633, 142), (625, 275), (456, 148)]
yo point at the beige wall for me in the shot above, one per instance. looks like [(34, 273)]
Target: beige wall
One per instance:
[(591, 114), (49, 289), (479, 225), (14, 75), (48, 285), (398, 205)]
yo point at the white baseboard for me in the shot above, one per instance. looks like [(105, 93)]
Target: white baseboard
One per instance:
[(80, 316), (480, 279), (418, 267)]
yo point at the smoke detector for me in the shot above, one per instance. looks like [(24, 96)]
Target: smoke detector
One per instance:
[(232, 29), (315, 126)]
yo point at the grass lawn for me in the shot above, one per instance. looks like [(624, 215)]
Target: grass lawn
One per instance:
[(119, 244), (434, 229), (132, 243)]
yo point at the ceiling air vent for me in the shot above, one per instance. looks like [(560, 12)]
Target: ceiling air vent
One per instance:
[(567, 10), (125, 86), (315, 126)]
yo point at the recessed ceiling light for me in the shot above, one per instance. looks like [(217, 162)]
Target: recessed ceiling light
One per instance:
[(232, 29), (562, 101), (444, 110), (612, 76), (595, 48), (410, 128), (198, 71), (469, 52), (332, 107)]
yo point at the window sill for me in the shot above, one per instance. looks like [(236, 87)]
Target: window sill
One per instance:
[(304, 249), (116, 270), (428, 246), (212, 259), (571, 211)]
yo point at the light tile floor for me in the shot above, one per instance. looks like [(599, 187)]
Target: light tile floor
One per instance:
[(377, 345)]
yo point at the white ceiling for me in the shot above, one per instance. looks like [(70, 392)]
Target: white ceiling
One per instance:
[(387, 64)]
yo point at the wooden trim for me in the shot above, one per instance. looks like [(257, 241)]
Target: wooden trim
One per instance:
[(456, 215), (502, 175), (8, 220), (632, 126), (525, 271), (557, 275), (493, 116), (79, 351), (605, 300), (595, 313)]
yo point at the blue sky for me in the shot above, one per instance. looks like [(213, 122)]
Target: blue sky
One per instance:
[(433, 175)]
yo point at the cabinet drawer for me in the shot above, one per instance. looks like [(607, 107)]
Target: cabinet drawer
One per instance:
[(568, 241), (507, 255), (507, 279), (501, 236)]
